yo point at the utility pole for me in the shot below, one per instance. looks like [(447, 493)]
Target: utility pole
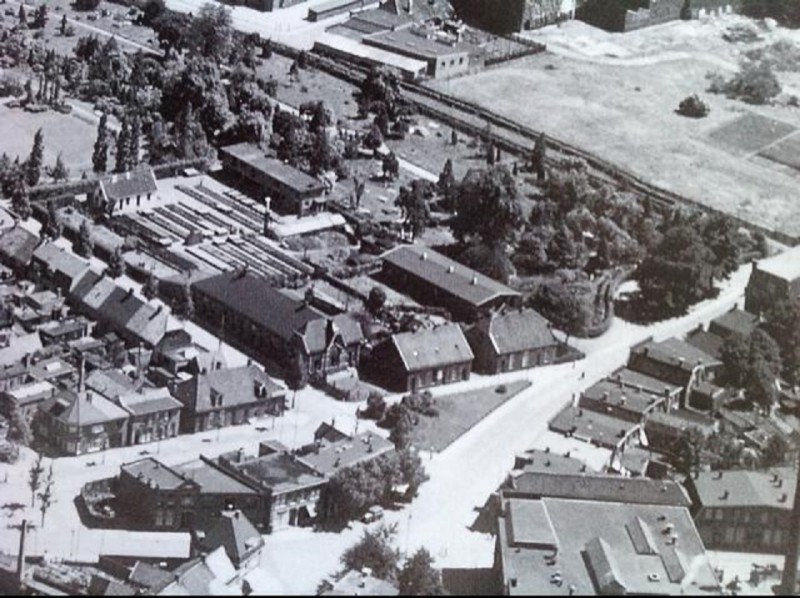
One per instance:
[(789, 579)]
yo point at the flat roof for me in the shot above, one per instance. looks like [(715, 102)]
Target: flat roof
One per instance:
[(353, 48), (592, 426), (773, 488), (614, 393), (407, 41)]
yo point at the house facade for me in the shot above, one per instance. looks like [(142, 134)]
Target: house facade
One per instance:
[(771, 280), (330, 345), (412, 361), (154, 415)]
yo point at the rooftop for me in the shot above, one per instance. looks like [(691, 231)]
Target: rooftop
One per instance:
[(32, 392), (539, 461), (212, 480), (280, 472), (417, 43), (735, 321), (785, 265), (451, 277), (236, 534), (58, 259), (635, 379), (358, 583), (17, 245), (708, 342), (152, 400), (226, 387), (599, 487), (109, 383), (317, 334), (128, 184), (273, 168), (614, 393), (592, 426), (675, 352), (432, 347), (772, 488), (83, 409), (682, 419), (252, 297), (19, 347), (517, 330), (152, 472), (332, 457), (608, 548)]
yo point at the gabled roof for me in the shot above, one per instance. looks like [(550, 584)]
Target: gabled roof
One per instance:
[(708, 342), (236, 534), (317, 334), (151, 400), (235, 386), (273, 168), (675, 352), (110, 383), (17, 246), (151, 472), (119, 307), (736, 321), (95, 293), (451, 277), (84, 409), (128, 184), (252, 297), (57, 259), (148, 576), (148, 324), (517, 330), (432, 347)]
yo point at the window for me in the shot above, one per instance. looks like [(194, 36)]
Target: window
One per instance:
[(718, 514)]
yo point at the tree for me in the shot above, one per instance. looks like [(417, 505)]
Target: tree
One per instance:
[(391, 167), (210, 32), (539, 158), (297, 372), (19, 429), (150, 288), (184, 307), (693, 107), (688, 451), (775, 453), (84, 245), (40, 17), (755, 83), (46, 495), (419, 577), (783, 324), (23, 17), (488, 206), (53, 228), (35, 477), (100, 153), (20, 198), (33, 165), (135, 141), (400, 422), (60, 171), (376, 300), (124, 159), (414, 203), (116, 264), (86, 4), (754, 364), (374, 551), (374, 139), (152, 10), (447, 182)]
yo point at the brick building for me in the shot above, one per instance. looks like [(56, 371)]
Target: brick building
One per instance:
[(773, 279)]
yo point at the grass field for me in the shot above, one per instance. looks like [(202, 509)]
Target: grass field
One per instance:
[(623, 109), (66, 134), (750, 133), (460, 412), (785, 152)]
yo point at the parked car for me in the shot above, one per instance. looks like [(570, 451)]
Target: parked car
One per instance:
[(374, 513)]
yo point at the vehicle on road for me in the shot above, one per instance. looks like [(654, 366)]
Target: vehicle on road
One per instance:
[(374, 513)]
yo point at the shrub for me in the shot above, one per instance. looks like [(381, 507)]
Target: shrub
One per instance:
[(755, 83), (693, 107), (11, 86)]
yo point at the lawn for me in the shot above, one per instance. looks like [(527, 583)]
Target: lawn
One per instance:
[(66, 134), (784, 152), (749, 133), (459, 412), (624, 111)]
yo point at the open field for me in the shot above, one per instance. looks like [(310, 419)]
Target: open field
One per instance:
[(67, 134), (611, 94), (459, 412)]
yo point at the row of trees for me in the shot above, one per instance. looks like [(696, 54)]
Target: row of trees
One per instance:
[(375, 550)]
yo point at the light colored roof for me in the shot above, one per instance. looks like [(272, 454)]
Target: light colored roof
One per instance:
[(744, 488), (317, 334), (307, 225), (129, 184), (148, 324), (357, 50), (85, 409), (449, 276), (674, 351), (211, 479), (151, 471), (785, 265), (432, 347), (19, 347), (33, 391), (273, 168), (530, 525), (152, 400), (347, 452), (60, 260)]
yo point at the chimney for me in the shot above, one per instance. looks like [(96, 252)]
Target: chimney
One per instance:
[(82, 375)]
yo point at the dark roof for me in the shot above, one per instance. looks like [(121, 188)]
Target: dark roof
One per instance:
[(675, 352), (736, 321), (109, 383), (406, 41), (273, 168), (708, 342), (17, 246), (451, 277), (86, 409), (681, 420), (600, 487), (128, 184), (234, 386), (517, 330), (592, 426), (613, 393), (148, 576), (432, 347), (253, 298), (280, 472), (102, 586), (148, 324), (317, 334), (58, 259), (329, 433), (635, 379), (770, 488), (234, 532)]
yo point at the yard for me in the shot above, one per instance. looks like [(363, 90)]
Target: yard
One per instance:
[(68, 135), (616, 95), (459, 412)]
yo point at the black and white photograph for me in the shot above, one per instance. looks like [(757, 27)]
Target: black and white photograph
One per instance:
[(399, 297)]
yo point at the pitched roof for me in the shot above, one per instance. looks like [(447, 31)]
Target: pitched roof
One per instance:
[(708, 342), (85, 409), (128, 184), (109, 383), (451, 277), (252, 297), (600, 487), (634, 379), (273, 168), (211, 479), (773, 488), (148, 324), (17, 246), (119, 307), (233, 386), (236, 534), (58, 259), (432, 347), (735, 321), (609, 392), (358, 583), (94, 293), (151, 400), (785, 265), (317, 334), (517, 330), (675, 352), (147, 575), (150, 471)]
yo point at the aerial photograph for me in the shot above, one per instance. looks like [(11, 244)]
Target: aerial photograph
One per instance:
[(399, 297)]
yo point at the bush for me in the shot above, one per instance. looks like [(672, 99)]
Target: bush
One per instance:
[(11, 86), (422, 403), (9, 452), (755, 83), (376, 407), (693, 107)]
